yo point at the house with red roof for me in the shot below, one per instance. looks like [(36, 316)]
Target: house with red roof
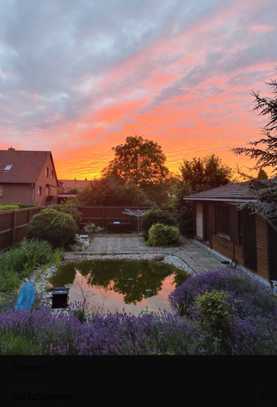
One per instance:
[(27, 177)]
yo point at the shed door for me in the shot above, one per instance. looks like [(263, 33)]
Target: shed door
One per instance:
[(199, 221)]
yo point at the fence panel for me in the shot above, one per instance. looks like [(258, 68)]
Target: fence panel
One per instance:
[(106, 215), (13, 225)]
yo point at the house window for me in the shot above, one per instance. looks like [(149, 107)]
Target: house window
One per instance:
[(222, 220), (1, 191), (39, 191), (7, 168), (47, 172)]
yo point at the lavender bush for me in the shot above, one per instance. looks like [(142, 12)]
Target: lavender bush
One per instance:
[(222, 312), (246, 295), (120, 334), (41, 332), (252, 311)]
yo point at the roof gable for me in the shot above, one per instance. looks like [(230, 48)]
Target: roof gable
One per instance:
[(25, 166), (70, 184)]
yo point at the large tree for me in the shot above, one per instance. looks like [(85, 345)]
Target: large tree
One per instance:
[(201, 174), (264, 150), (198, 174), (138, 161)]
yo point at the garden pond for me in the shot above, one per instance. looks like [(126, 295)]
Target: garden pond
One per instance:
[(130, 286)]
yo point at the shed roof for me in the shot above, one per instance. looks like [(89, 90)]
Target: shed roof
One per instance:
[(231, 192)]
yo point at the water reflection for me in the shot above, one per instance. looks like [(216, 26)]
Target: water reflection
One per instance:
[(115, 285)]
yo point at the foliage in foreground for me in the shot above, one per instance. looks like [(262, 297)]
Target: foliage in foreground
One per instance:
[(223, 312), (120, 334), (238, 313), (19, 262), (163, 235), (56, 227)]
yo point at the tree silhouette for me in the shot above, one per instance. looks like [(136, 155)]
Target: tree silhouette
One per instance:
[(264, 150), (138, 161)]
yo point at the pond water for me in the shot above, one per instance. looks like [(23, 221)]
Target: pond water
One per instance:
[(130, 286)]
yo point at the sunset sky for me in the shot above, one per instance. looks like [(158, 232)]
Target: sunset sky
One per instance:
[(79, 76)]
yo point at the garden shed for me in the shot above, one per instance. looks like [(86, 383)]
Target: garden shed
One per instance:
[(236, 233)]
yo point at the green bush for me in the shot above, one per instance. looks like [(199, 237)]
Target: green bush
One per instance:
[(215, 316), (163, 235), (57, 228), (15, 344), (71, 208), (19, 262), (154, 216), (9, 280)]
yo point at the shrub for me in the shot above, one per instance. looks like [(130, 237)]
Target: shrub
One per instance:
[(154, 216), (215, 315), (247, 296), (9, 280), (238, 314), (125, 334), (71, 208), (14, 344), (91, 228), (163, 235), (102, 334), (21, 261), (58, 228)]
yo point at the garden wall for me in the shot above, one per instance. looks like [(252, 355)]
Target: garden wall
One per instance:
[(13, 225)]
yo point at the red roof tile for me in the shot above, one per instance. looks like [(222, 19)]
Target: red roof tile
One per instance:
[(25, 165)]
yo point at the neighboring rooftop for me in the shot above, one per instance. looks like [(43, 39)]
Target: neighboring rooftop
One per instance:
[(68, 185), (232, 192), (21, 167)]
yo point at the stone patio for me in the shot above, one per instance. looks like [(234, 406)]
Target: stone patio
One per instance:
[(197, 257)]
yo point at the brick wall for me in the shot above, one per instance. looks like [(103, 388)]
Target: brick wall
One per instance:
[(262, 247), (17, 193), (45, 178)]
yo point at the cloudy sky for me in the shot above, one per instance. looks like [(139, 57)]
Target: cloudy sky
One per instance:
[(77, 77)]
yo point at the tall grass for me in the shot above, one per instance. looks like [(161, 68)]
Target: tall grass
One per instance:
[(21, 261)]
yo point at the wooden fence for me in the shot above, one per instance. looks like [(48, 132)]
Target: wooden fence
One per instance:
[(13, 225), (105, 216)]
